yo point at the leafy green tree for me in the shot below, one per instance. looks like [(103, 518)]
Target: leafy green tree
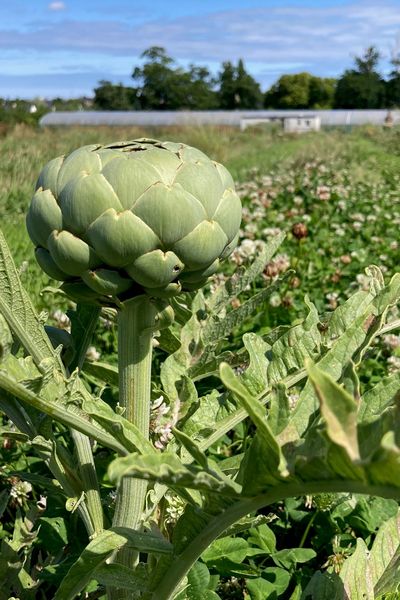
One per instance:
[(237, 88), (290, 91), (201, 94), (393, 84), (301, 90), (363, 86), (109, 96), (164, 86), (321, 92)]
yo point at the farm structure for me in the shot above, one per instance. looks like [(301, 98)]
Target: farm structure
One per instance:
[(239, 118)]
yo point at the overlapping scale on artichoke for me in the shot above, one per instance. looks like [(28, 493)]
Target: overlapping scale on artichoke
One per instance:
[(133, 217)]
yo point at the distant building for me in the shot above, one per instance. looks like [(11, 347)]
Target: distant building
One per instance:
[(301, 124)]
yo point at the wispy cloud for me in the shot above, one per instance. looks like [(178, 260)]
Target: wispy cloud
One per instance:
[(57, 5), (280, 38)]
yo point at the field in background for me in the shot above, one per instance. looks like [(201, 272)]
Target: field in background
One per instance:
[(366, 160)]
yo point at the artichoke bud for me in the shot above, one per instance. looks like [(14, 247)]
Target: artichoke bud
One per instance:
[(131, 218)]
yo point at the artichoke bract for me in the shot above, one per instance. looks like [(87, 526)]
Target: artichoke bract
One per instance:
[(133, 217)]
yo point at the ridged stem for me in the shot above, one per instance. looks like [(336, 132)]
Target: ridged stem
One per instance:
[(83, 448), (88, 476), (136, 324)]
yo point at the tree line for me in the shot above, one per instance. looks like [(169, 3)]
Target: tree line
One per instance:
[(160, 84)]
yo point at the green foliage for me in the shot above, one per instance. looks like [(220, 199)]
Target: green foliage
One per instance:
[(237, 88), (301, 90), (109, 96), (362, 87), (164, 86)]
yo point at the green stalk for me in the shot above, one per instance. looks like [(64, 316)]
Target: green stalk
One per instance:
[(167, 587), (89, 316), (136, 324), (88, 476)]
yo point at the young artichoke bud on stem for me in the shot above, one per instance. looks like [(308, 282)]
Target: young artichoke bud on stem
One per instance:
[(132, 224), (139, 217)]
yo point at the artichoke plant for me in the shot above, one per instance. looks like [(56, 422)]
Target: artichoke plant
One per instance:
[(133, 217)]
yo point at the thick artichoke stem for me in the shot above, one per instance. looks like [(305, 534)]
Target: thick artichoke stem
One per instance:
[(135, 341)]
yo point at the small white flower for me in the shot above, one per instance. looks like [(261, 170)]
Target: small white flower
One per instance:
[(92, 354)]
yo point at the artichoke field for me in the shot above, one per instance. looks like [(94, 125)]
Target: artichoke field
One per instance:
[(133, 217)]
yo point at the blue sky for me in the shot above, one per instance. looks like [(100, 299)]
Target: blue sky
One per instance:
[(54, 48)]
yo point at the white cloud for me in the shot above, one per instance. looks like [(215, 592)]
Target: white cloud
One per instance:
[(56, 5), (274, 40)]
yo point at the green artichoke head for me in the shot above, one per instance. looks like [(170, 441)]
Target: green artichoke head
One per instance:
[(131, 218)]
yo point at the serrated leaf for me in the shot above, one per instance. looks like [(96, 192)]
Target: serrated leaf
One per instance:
[(255, 377), (17, 309), (116, 425), (294, 345), (118, 576), (381, 396), (168, 469), (274, 459), (245, 276), (68, 414), (338, 409), (368, 574), (101, 548), (333, 363), (218, 328)]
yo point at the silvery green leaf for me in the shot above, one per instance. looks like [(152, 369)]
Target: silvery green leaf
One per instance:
[(255, 377), (244, 276), (167, 468), (378, 398), (17, 309), (125, 432), (217, 328), (338, 409), (98, 550), (369, 574)]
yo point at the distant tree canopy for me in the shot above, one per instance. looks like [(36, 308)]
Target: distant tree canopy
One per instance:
[(161, 84), (118, 96), (165, 86), (363, 86), (301, 90), (237, 88)]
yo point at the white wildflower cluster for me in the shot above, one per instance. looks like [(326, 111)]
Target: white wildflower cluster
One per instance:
[(276, 266), (61, 319), (162, 421), (293, 399), (391, 341), (92, 354), (246, 250), (323, 192), (332, 299), (174, 509), (393, 364), (20, 491), (363, 281)]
